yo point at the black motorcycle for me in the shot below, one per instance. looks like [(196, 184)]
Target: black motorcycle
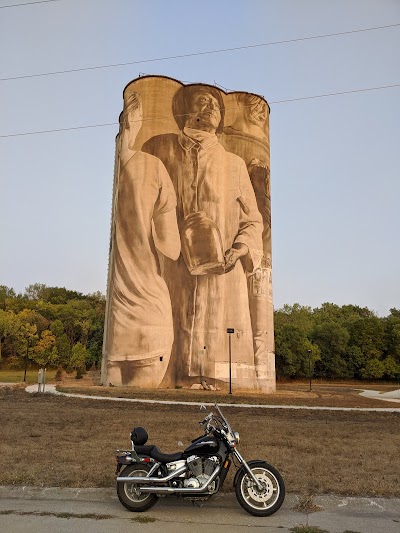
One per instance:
[(198, 472)]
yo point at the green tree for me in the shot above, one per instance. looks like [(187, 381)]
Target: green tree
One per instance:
[(374, 369), (73, 315), (9, 327), (6, 293), (355, 361), (95, 345), (392, 334), (391, 368), (26, 339), (293, 325), (45, 350), (332, 339), (64, 350), (35, 291), (369, 335), (78, 356), (61, 295), (288, 346), (62, 343), (34, 318)]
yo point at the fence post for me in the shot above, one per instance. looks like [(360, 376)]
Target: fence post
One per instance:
[(40, 379)]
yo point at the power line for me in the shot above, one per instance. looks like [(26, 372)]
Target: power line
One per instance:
[(180, 56), (59, 129), (159, 118), (29, 3), (335, 94)]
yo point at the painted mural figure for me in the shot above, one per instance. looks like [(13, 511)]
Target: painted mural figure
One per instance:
[(247, 138), (139, 318), (221, 229)]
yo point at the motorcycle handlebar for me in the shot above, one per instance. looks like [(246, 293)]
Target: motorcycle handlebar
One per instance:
[(221, 421), (207, 419)]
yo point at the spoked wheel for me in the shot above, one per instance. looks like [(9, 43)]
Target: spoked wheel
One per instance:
[(129, 494), (264, 501)]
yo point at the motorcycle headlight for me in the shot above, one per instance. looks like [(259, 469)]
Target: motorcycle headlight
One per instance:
[(237, 437)]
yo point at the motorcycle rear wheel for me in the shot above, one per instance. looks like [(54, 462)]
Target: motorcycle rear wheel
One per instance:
[(130, 496), (262, 502)]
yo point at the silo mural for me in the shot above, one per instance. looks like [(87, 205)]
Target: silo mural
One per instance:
[(190, 249)]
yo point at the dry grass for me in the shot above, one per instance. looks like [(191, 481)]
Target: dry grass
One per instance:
[(309, 529), (322, 394), (307, 505), (16, 376), (56, 441), (143, 519)]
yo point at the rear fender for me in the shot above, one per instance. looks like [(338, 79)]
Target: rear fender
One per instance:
[(254, 462), (124, 459)]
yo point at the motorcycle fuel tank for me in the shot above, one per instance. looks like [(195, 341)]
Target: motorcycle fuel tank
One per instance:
[(203, 446)]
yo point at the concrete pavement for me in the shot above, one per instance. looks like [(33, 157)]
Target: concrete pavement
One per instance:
[(391, 396), (57, 510)]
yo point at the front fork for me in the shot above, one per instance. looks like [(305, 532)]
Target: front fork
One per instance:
[(248, 469)]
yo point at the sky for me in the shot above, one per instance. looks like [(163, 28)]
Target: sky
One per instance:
[(335, 184)]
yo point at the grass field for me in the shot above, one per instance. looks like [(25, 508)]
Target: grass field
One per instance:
[(326, 394), (16, 376), (56, 441)]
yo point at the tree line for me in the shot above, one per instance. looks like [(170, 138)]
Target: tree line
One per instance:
[(347, 342), (51, 327), (60, 328)]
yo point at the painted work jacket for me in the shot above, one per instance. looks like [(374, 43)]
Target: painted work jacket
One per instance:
[(208, 178)]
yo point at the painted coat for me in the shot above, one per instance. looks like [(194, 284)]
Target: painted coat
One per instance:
[(140, 317), (208, 178)]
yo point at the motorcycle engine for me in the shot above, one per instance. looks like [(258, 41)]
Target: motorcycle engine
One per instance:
[(201, 468)]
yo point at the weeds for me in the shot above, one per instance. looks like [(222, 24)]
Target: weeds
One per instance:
[(307, 505), (144, 519), (308, 529)]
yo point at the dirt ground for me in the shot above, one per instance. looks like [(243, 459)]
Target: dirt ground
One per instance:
[(57, 441), (339, 394)]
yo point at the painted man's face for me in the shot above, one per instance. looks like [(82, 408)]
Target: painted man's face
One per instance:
[(205, 112), (135, 119)]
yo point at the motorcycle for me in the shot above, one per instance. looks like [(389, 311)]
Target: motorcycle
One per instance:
[(198, 472)]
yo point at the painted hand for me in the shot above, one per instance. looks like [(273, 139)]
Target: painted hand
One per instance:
[(237, 251)]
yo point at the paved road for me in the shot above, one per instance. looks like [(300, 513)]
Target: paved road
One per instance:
[(56, 510)]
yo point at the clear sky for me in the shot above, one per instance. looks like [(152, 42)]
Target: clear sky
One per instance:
[(334, 161)]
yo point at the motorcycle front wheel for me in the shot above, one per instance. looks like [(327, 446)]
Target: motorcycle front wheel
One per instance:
[(264, 501), (128, 493)]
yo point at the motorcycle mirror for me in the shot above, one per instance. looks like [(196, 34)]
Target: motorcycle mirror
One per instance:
[(203, 408)]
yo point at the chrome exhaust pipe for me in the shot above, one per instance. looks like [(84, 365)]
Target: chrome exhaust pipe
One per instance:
[(139, 479), (171, 490)]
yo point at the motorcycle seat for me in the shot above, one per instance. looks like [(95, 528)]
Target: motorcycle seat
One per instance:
[(155, 453)]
